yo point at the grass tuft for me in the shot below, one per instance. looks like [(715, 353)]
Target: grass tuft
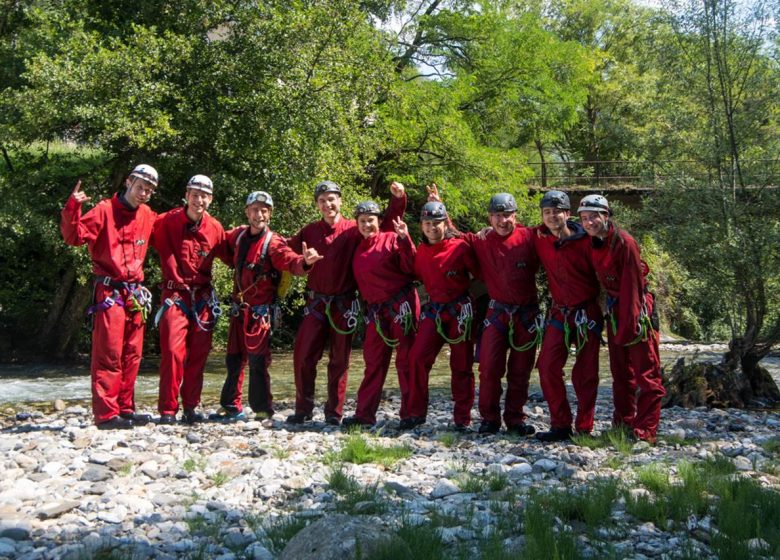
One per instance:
[(359, 450), (192, 464), (353, 497), (279, 532), (542, 542)]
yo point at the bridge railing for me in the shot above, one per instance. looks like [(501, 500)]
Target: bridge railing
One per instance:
[(640, 175)]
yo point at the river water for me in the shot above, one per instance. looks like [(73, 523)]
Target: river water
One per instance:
[(44, 383)]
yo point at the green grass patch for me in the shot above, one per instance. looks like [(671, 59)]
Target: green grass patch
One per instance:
[(508, 514), (353, 497), (772, 446), (497, 482), (655, 478), (449, 439), (746, 510), (471, 483), (589, 441), (620, 440), (591, 504), (280, 453), (203, 527), (615, 462), (542, 541), (413, 542), (359, 450), (279, 532), (219, 478), (192, 464)]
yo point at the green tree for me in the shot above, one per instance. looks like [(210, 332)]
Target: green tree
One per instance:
[(725, 226)]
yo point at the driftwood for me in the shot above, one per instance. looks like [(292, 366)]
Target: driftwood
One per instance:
[(717, 385)]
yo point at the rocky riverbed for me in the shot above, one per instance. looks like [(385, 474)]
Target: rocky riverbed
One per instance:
[(230, 491)]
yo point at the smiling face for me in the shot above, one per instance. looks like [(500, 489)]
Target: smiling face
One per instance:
[(503, 222), (329, 205), (138, 191), (555, 219), (368, 225), (595, 223), (198, 202), (433, 230), (259, 216)]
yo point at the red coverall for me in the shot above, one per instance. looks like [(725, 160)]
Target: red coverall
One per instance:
[(117, 237), (634, 360), (251, 318), (508, 266), (444, 269), (384, 268), (186, 256), (575, 290), (331, 281)]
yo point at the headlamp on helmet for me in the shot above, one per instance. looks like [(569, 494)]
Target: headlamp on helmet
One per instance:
[(502, 202), (555, 199), (433, 211), (146, 173), (260, 196), (368, 207), (325, 187), (594, 203), (201, 183)]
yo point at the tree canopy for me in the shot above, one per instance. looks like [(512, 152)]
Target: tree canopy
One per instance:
[(477, 97)]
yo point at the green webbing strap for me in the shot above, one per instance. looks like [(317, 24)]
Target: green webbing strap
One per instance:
[(333, 325), (536, 341), (463, 336)]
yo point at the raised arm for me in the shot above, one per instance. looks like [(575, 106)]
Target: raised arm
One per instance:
[(77, 229)]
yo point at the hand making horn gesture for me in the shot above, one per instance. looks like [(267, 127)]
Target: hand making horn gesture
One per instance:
[(310, 256), (397, 189), (77, 194), (400, 228), (433, 193)]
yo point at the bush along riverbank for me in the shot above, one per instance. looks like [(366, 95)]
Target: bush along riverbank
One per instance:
[(708, 489)]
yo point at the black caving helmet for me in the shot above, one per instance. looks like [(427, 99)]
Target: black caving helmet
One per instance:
[(326, 187), (368, 207), (555, 199), (434, 211), (502, 202)]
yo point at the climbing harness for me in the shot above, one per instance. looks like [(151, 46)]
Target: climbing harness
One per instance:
[(193, 313), (138, 300), (644, 325), (534, 327), (461, 308), (351, 315), (582, 326), (404, 317)]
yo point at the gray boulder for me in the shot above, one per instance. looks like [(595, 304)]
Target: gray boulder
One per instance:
[(341, 537)]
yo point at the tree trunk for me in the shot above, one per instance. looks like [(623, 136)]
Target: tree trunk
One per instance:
[(540, 149), (59, 334)]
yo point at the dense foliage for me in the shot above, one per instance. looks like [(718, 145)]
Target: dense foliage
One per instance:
[(477, 97)]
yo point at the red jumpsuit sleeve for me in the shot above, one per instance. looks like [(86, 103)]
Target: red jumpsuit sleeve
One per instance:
[(395, 209), (162, 243), (225, 249), (77, 229), (406, 252), (284, 258), (473, 241), (631, 293), (296, 241), (470, 260)]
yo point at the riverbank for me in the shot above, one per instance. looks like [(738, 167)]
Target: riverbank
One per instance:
[(37, 385), (69, 491)]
